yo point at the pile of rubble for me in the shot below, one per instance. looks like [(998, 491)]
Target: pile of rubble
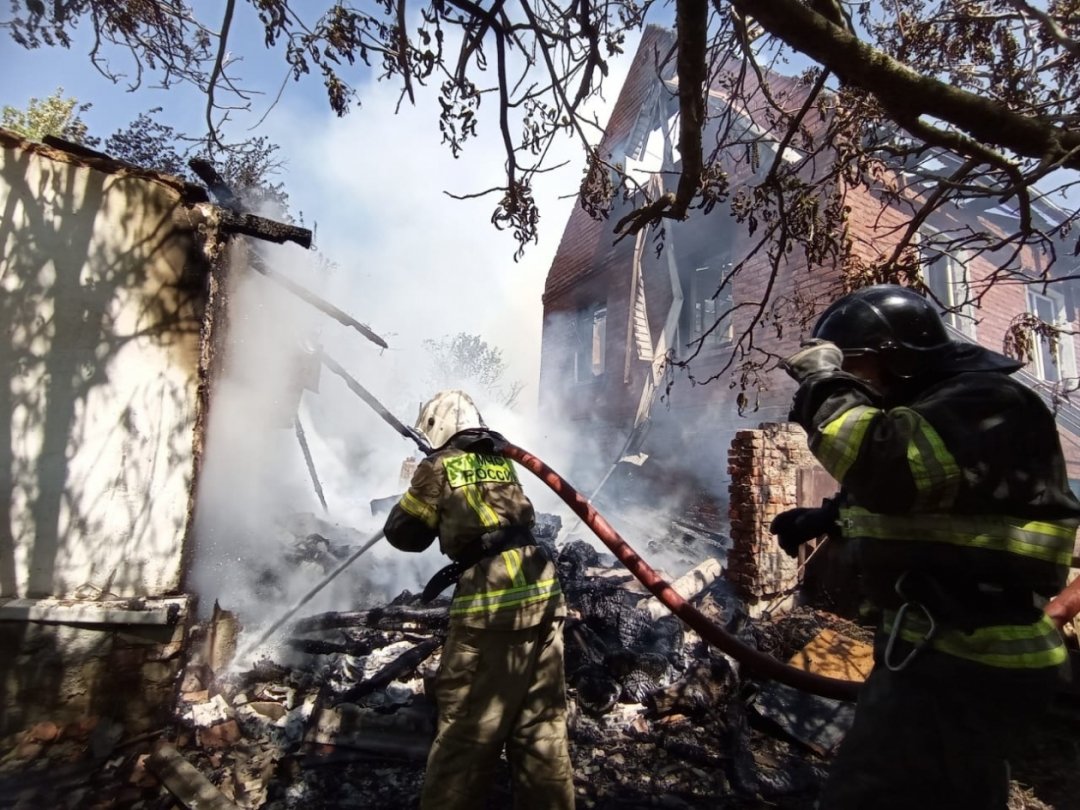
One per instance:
[(338, 715)]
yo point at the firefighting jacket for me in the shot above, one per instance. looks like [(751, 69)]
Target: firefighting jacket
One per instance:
[(462, 497), (962, 482)]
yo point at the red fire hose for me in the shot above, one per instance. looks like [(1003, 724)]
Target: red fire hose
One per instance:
[(757, 661)]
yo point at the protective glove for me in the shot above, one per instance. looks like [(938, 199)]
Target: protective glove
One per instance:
[(795, 526), (814, 356)]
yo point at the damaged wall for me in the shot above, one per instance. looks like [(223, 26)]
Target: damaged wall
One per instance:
[(104, 272), (103, 285), (764, 465), (85, 679)]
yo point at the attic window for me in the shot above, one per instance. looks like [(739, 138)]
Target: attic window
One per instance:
[(591, 350), (649, 159)]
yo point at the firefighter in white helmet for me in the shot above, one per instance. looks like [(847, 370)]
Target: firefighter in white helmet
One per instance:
[(501, 681)]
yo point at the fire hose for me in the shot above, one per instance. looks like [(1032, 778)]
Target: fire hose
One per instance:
[(757, 661)]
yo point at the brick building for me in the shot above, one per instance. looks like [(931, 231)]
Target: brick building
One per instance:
[(614, 308)]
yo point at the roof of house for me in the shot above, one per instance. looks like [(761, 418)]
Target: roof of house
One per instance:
[(585, 240), (587, 243)]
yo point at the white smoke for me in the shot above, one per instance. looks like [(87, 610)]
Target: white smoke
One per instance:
[(414, 266)]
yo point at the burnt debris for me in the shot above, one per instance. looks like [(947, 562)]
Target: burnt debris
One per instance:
[(339, 713)]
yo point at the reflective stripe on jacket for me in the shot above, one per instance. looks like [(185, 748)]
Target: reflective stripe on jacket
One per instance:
[(458, 496), (1051, 541), (1011, 646)]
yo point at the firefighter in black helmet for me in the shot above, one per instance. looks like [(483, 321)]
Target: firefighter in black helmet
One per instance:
[(956, 497)]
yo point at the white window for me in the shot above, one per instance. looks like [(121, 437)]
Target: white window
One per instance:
[(947, 278), (591, 343), (1054, 356), (707, 304)]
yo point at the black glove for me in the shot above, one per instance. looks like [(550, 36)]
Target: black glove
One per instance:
[(795, 526), (814, 356)]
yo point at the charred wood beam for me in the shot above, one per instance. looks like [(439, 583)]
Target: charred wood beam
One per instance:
[(74, 148), (267, 229), (221, 190), (300, 437), (398, 617), (374, 404), (288, 614), (326, 307), (398, 668), (314, 646), (233, 217)]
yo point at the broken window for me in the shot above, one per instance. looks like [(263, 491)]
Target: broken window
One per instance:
[(708, 305), (591, 343), (704, 270), (1054, 356)]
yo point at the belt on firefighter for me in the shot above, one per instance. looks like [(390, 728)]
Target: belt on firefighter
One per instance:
[(928, 611), (487, 545)]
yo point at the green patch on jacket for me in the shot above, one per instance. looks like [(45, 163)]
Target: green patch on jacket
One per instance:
[(475, 468)]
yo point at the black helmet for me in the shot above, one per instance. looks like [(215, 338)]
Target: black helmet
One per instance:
[(883, 319)]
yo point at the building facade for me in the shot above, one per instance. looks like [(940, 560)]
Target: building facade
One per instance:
[(616, 311)]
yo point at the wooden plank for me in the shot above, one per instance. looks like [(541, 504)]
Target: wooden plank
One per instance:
[(184, 781), (819, 723), (835, 655), (812, 484)]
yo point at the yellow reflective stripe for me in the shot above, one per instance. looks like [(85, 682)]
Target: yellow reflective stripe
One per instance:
[(933, 468), (512, 560), (1051, 541), (418, 509), (494, 601), (1011, 646), (840, 440), (472, 597), (488, 518)]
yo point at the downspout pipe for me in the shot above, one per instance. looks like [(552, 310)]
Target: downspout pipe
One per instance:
[(758, 662)]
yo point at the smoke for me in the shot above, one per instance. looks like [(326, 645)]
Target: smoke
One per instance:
[(413, 265)]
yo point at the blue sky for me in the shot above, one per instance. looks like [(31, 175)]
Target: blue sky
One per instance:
[(413, 263)]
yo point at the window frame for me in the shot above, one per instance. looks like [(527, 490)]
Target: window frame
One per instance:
[(1064, 362), (723, 299), (586, 327), (959, 316)]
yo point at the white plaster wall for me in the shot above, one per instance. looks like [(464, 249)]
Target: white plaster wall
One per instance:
[(98, 381)]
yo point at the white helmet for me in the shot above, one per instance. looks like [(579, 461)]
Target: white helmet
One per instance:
[(446, 414)]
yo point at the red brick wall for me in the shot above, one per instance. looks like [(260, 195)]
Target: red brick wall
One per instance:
[(764, 466)]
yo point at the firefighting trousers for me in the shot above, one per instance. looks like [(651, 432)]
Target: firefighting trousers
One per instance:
[(937, 734), (496, 688)]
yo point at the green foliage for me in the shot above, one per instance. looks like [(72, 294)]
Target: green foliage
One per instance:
[(469, 362), (57, 116), (152, 144), (149, 143)]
